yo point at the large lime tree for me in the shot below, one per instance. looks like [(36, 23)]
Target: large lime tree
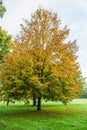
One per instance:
[(54, 73)]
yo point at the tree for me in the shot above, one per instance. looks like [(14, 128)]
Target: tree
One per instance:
[(2, 9), (84, 95), (5, 43), (5, 38), (55, 71)]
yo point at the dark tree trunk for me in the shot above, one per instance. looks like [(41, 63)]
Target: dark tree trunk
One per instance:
[(7, 101), (34, 100), (39, 104), (65, 103)]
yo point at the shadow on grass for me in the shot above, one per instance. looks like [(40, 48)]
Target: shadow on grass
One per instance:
[(31, 112)]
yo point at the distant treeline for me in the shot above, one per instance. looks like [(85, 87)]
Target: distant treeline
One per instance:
[(84, 93)]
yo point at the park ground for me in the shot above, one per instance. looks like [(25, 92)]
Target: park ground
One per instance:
[(53, 116)]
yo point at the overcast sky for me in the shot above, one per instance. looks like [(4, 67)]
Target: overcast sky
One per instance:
[(72, 13)]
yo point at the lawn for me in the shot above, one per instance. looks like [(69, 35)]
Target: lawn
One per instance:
[(54, 116)]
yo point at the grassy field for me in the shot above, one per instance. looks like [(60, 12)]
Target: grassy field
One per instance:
[(54, 116)]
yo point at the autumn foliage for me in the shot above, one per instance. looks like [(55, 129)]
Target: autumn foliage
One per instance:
[(42, 64)]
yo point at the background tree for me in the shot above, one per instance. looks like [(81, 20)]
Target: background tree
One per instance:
[(2, 9), (5, 43), (84, 95), (55, 71), (5, 38)]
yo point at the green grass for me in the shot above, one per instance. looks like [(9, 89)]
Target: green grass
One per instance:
[(54, 116)]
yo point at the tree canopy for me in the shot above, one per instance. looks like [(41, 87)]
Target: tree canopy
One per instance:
[(42, 64), (2, 9), (5, 43)]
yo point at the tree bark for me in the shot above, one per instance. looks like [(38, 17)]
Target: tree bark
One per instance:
[(7, 101), (34, 100), (65, 103), (39, 104)]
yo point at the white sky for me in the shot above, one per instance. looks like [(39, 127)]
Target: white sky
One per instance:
[(72, 13)]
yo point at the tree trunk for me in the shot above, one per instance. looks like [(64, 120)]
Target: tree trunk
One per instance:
[(34, 100), (7, 101), (65, 103), (39, 104)]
